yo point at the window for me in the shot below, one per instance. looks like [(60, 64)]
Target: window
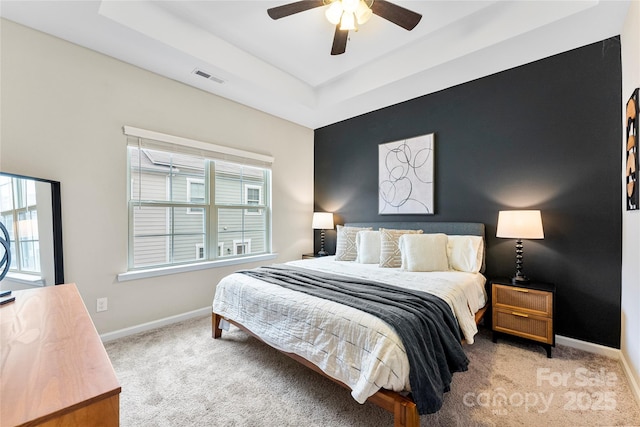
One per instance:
[(195, 194), (241, 247), (19, 215), (199, 251), (182, 199), (253, 196)]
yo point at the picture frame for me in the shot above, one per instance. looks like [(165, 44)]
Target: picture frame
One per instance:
[(406, 176), (631, 143)]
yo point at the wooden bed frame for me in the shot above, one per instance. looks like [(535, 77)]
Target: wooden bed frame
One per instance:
[(403, 408)]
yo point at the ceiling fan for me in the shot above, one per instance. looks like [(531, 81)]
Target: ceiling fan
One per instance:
[(346, 13)]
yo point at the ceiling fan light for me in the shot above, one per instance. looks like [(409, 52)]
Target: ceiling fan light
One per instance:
[(348, 21), (334, 12), (363, 13), (350, 5)]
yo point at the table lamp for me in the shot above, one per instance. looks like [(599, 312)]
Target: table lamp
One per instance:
[(322, 221), (522, 224)]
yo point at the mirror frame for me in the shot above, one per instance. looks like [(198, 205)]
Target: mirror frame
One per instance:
[(56, 211)]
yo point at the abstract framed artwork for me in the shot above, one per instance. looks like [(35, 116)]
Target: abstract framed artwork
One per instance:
[(405, 176), (632, 152)]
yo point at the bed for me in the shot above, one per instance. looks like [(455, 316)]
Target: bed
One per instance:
[(292, 308)]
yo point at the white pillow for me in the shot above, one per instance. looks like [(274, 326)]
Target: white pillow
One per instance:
[(368, 246), (424, 252), (346, 242), (465, 253)]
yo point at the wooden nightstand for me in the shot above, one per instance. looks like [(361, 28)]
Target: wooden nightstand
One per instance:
[(524, 310), (309, 256)]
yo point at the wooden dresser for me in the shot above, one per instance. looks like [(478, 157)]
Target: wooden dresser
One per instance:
[(54, 368)]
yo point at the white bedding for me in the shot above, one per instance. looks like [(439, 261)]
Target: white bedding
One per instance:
[(349, 345)]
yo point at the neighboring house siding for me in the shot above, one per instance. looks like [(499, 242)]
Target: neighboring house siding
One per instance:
[(189, 227), (231, 190), (150, 221)]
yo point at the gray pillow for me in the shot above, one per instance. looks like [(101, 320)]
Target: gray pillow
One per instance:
[(346, 249), (390, 255)]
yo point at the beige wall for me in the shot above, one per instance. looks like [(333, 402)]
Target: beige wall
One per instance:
[(62, 112), (630, 340)]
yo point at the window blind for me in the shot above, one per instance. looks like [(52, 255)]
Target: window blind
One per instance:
[(148, 139)]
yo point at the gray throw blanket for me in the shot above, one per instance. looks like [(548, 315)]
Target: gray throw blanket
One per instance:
[(424, 322)]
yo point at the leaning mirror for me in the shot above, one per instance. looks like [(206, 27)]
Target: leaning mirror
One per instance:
[(30, 212)]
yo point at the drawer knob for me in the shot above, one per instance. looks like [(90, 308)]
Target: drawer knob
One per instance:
[(526, 291)]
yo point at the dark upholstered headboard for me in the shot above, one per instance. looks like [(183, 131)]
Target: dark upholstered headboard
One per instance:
[(454, 228), (451, 228)]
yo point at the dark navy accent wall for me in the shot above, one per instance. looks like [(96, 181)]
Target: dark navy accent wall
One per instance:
[(546, 135)]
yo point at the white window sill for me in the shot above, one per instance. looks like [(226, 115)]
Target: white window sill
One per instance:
[(27, 279), (173, 269)]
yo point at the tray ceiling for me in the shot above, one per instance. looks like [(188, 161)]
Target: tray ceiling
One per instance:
[(284, 67)]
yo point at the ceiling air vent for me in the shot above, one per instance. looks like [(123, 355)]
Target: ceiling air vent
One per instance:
[(208, 76)]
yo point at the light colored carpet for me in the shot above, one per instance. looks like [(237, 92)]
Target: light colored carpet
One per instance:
[(179, 376)]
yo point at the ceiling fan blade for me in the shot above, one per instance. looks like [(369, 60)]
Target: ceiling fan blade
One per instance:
[(292, 8), (405, 18), (339, 41)]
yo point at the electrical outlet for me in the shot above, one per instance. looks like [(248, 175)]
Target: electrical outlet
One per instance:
[(101, 304)]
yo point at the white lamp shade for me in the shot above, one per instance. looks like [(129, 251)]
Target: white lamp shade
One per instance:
[(334, 12), (363, 13), (322, 221), (520, 225), (348, 21), (350, 6), (348, 12)]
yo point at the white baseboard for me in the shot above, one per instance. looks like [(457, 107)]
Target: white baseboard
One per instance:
[(602, 350), (110, 336), (633, 383), (608, 352)]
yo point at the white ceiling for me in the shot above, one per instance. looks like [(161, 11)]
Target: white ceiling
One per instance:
[(284, 67)]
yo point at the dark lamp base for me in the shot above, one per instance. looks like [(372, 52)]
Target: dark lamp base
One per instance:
[(322, 253), (523, 280)]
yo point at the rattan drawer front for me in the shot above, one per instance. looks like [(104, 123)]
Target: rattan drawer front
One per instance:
[(528, 300), (525, 325)]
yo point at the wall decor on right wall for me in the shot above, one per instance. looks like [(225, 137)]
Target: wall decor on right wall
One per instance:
[(632, 152)]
